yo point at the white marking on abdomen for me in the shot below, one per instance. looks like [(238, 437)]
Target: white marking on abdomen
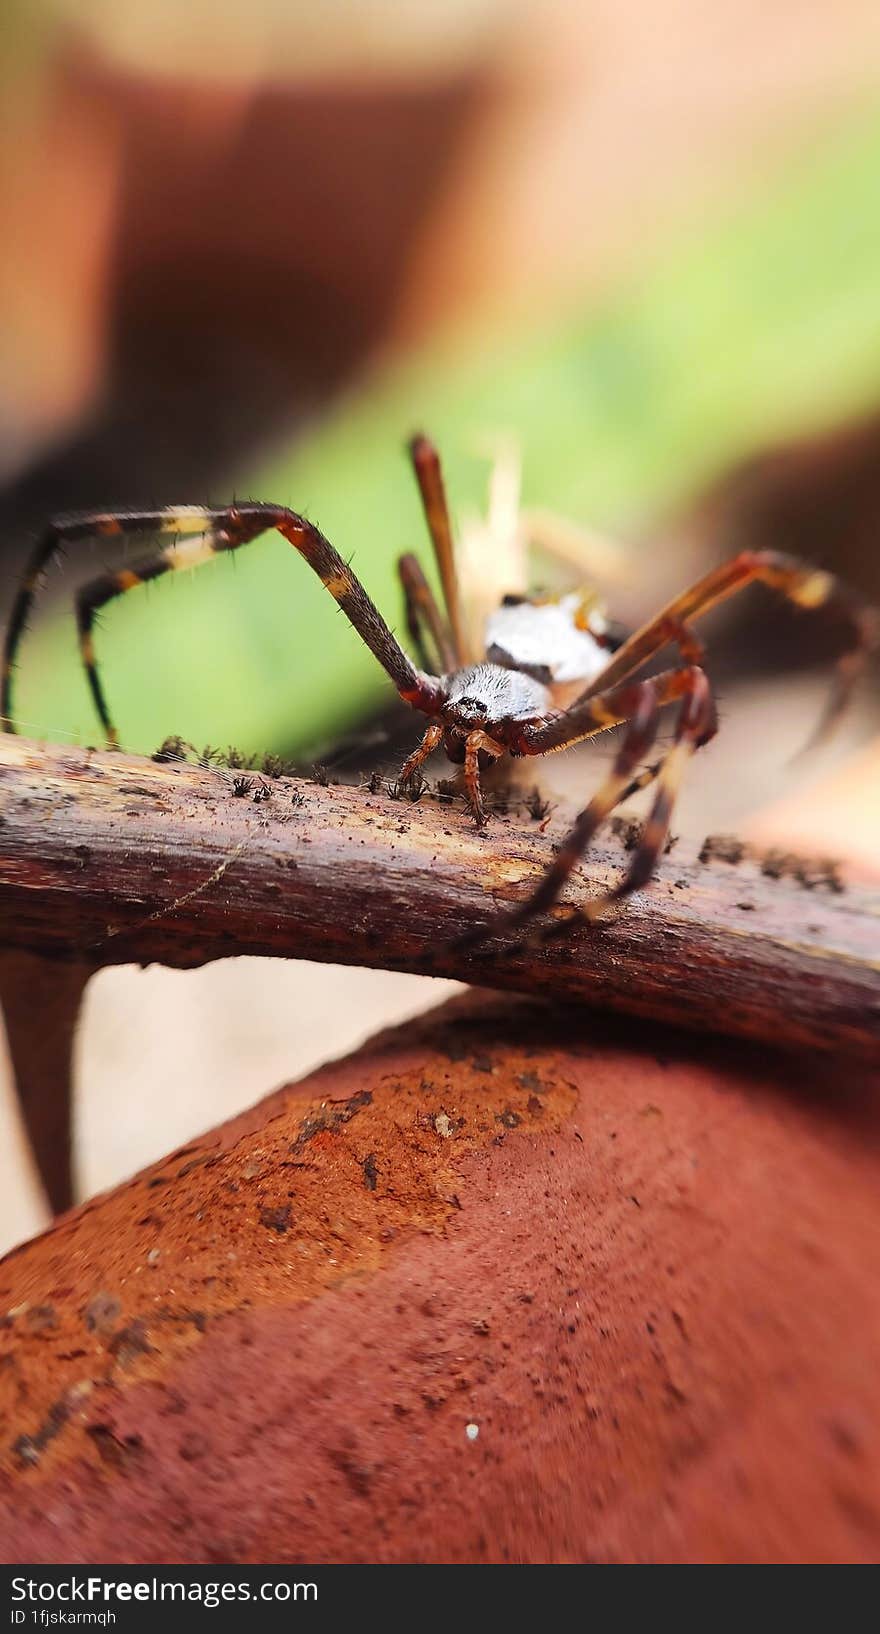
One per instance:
[(544, 636)]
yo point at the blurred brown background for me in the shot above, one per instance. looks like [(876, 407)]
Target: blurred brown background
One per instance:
[(219, 222)]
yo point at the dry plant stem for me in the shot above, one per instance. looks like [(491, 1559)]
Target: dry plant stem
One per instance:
[(107, 859)]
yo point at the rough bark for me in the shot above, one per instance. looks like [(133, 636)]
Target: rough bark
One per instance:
[(107, 859)]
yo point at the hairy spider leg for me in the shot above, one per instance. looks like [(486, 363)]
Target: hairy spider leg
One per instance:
[(590, 716), (477, 743), (423, 616), (429, 476), (696, 725), (431, 741), (807, 587), (62, 531), (215, 531)]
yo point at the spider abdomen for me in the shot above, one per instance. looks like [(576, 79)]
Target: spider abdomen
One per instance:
[(556, 642)]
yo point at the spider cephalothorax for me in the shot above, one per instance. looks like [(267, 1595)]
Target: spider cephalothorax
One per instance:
[(488, 695), (544, 673)]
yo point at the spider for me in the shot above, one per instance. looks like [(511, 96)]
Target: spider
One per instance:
[(551, 672)]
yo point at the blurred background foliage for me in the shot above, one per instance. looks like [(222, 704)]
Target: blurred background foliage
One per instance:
[(748, 313), (762, 322)]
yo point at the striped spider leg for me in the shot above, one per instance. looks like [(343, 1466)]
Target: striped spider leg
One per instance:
[(429, 476), (638, 704), (424, 620), (198, 534), (800, 583), (806, 586)]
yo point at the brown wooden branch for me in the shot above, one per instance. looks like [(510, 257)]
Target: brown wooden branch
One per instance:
[(107, 859)]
